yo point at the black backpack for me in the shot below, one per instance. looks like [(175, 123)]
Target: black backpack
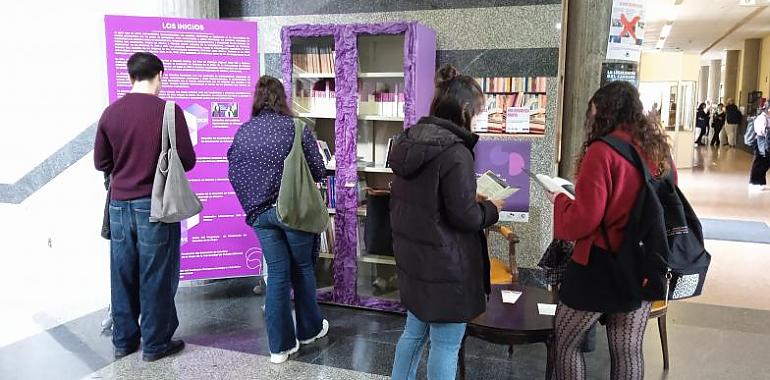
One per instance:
[(663, 242)]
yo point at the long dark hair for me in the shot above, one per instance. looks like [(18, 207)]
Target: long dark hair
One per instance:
[(269, 95), (458, 97), (618, 106)]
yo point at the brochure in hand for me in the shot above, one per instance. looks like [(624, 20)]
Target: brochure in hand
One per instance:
[(493, 187), (553, 184)]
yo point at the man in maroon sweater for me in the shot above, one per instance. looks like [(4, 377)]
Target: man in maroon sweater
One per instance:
[(144, 256)]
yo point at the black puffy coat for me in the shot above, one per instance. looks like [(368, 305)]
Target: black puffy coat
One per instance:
[(441, 253)]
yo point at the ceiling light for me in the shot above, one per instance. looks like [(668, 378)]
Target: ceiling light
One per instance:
[(558, 25), (665, 31)]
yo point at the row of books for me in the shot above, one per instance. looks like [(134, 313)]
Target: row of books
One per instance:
[(513, 84), (383, 104), (328, 187), (502, 102), (322, 103), (327, 239), (314, 59)]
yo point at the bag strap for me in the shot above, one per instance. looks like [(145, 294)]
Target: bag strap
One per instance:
[(169, 125), (299, 130), (628, 152)]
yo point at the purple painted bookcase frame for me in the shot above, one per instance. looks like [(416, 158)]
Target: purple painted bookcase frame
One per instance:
[(419, 68)]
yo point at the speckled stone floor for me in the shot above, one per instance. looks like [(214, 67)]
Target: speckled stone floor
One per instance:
[(223, 325)]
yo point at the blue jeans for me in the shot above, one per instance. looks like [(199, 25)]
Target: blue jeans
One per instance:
[(144, 268), (445, 341), (290, 257)]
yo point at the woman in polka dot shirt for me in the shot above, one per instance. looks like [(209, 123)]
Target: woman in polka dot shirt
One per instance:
[(256, 166)]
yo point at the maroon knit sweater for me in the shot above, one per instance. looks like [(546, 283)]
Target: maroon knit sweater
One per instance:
[(128, 144)]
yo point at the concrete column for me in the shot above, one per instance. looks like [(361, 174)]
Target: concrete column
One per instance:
[(731, 74), (715, 79), (189, 8), (587, 28), (703, 84), (750, 70)]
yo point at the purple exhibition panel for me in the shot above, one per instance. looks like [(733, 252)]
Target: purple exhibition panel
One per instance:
[(507, 159), (211, 69)]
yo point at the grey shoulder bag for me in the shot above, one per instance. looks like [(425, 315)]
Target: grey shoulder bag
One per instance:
[(172, 198)]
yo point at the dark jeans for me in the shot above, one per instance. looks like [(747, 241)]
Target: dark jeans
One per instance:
[(759, 168), (144, 265), (289, 256)]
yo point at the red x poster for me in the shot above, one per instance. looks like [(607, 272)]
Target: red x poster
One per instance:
[(626, 30)]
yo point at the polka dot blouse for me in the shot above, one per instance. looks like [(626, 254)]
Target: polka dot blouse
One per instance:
[(256, 160)]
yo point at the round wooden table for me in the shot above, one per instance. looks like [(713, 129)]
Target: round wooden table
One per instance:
[(513, 324)]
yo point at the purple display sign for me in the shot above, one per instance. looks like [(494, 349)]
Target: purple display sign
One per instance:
[(508, 159), (211, 67)]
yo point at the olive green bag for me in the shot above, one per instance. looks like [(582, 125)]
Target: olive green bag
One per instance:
[(300, 204)]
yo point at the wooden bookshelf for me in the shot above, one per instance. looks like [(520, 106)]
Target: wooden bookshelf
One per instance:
[(313, 75), (388, 104), (381, 118), (377, 259), (311, 115), (381, 75)]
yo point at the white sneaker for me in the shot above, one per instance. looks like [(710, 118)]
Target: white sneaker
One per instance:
[(283, 356), (324, 331), (756, 189)]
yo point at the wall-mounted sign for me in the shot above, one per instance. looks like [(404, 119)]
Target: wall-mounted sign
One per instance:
[(612, 71), (626, 30)]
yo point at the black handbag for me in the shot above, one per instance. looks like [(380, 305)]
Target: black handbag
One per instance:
[(555, 259)]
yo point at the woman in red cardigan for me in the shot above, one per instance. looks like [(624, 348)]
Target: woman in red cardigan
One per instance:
[(606, 188)]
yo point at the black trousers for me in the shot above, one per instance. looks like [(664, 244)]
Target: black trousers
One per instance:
[(717, 131), (759, 168)]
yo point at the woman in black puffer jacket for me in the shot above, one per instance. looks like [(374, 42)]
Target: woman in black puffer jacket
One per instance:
[(437, 221)]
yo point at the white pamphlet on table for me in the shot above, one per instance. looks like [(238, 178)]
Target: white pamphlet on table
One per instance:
[(546, 308), (510, 296)]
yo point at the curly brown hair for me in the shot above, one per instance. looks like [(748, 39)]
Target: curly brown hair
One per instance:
[(618, 105)]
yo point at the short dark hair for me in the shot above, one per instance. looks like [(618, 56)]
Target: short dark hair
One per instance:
[(458, 97), (144, 66), (269, 94)]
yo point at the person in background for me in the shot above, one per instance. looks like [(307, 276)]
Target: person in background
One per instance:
[(701, 123), (144, 256), (733, 118), (717, 123), (606, 189), (761, 163), (438, 222), (256, 166)]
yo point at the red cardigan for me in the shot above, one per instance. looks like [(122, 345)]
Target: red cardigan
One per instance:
[(606, 189)]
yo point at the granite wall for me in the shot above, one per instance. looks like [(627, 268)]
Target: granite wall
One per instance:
[(482, 38)]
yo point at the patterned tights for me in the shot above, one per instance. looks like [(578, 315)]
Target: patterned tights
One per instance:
[(625, 334)]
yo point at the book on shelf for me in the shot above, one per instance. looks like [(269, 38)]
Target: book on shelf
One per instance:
[(313, 59), (326, 153), (320, 99), (328, 191), (493, 187), (555, 185), (513, 84), (387, 154), (381, 99)]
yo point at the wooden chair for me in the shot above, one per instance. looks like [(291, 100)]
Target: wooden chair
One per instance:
[(500, 272), (659, 309)]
